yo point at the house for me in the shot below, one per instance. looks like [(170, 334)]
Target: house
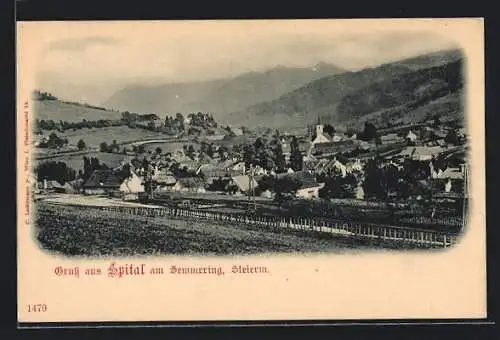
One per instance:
[(451, 179), (237, 131), (131, 187), (243, 183), (221, 169), (320, 136), (189, 184), (421, 153), (102, 182), (331, 148), (164, 177), (39, 140), (238, 167), (55, 186), (216, 137), (309, 188), (390, 138), (411, 136)]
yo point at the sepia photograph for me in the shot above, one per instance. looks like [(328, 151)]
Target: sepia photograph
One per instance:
[(251, 169), (283, 142)]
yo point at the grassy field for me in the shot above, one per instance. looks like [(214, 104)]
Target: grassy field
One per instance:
[(56, 110), (94, 137), (170, 146), (76, 161), (85, 232)]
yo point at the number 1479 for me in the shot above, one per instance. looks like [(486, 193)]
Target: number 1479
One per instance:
[(37, 308)]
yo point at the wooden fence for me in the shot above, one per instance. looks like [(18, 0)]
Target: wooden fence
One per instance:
[(409, 236)]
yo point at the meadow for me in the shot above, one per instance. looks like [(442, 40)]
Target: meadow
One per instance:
[(76, 161), (56, 110), (73, 231), (95, 136)]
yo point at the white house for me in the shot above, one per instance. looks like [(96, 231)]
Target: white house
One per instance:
[(320, 137), (132, 186), (337, 165), (411, 136), (355, 166), (359, 192)]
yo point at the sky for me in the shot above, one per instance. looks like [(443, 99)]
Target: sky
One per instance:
[(89, 61)]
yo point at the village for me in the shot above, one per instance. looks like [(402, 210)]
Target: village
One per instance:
[(422, 163)]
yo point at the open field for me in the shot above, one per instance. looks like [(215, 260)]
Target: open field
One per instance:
[(76, 161), (95, 136), (94, 200), (78, 232), (56, 110), (169, 146)]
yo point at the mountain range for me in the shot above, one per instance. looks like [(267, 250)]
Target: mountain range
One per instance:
[(221, 96), (392, 91), (408, 90)]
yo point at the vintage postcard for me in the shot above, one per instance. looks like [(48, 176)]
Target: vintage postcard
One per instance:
[(251, 170)]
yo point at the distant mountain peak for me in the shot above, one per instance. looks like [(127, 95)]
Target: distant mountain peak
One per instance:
[(221, 96)]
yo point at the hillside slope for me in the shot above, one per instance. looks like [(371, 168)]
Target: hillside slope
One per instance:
[(347, 97), (219, 96), (57, 110)]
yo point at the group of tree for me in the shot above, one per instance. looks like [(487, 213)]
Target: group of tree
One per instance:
[(53, 142), (338, 186), (62, 126), (224, 185), (203, 120), (55, 171), (284, 188), (384, 180), (368, 133), (90, 164), (111, 148), (270, 155), (40, 96)]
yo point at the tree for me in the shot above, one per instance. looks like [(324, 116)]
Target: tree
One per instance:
[(373, 184), (141, 149), (103, 147), (337, 186), (124, 172), (285, 189), (249, 155), (296, 161), (81, 144), (278, 156), (55, 171), (329, 129), (210, 150), (190, 151), (369, 132), (452, 137), (436, 121), (350, 132), (222, 152)]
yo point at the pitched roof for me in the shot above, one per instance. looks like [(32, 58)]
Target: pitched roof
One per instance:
[(389, 136), (417, 151), (103, 179), (243, 183), (451, 173), (164, 177), (191, 182), (305, 178)]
